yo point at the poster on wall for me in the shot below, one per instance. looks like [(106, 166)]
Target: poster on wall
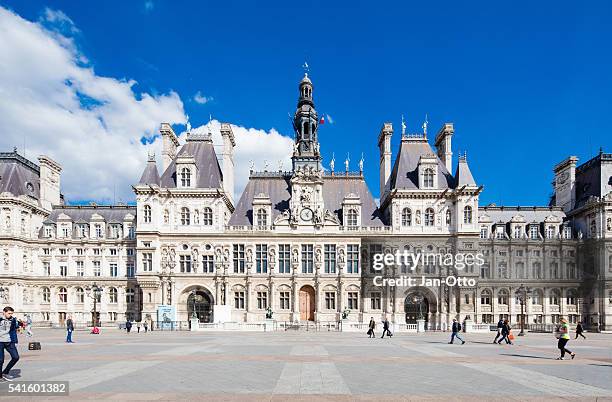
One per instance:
[(166, 315)]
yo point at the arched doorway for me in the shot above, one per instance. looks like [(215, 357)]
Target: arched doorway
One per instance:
[(200, 302), (307, 303), (416, 306)]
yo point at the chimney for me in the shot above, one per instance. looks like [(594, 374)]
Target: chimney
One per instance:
[(443, 145), (228, 160), (49, 182), (565, 183), (384, 145), (169, 144)]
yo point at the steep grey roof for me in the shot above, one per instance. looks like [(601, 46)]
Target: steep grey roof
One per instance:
[(405, 174), (463, 174), (83, 213), (209, 173), (278, 188), (150, 174), (530, 214), (18, 175)]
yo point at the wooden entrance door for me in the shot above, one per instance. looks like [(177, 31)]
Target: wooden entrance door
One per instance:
[(307, 303)]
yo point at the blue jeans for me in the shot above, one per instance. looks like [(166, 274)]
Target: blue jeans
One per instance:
[(11, 348), (456, 334), (69, 336)]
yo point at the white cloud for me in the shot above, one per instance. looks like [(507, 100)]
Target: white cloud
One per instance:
[(255, 145), (58, 20), (201, 99), (91, 125), (329, 119)]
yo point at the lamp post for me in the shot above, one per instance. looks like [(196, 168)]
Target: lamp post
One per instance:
[(418, 299), (94, 292), (522, 293)]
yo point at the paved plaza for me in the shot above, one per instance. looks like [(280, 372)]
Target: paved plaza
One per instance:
[(316, 365)]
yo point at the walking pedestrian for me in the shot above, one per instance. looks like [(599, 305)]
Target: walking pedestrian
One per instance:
[(386, 329), (579, 331), (500, 325), (128, 326), (69, 329), (455, 332), (138, 327), (371, 327), (8, 342), (146, 326), (505, 333), (564, 338), (28, 326)]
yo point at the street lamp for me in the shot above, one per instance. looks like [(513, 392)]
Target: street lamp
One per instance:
[(522, 293), (95, 293), (418, 299)]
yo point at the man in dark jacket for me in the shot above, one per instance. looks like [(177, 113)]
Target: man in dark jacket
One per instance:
[(500, 326), (455, 329), (371, 328), (69, 329), (128, 326), (8, 341), (386, 328)]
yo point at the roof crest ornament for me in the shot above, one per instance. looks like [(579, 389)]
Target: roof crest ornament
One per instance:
[(332, 163), (403, 126)]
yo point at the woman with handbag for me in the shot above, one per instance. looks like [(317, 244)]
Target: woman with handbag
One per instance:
[(564, 337)]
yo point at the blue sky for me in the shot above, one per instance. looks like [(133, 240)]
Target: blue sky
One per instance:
[(526, 84)]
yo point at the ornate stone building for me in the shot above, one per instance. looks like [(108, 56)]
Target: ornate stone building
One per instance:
[(303, 242)]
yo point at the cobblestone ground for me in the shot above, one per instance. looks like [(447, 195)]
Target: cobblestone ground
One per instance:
[(296, 366)]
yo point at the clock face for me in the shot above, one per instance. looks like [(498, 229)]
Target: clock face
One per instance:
[(306, 214)]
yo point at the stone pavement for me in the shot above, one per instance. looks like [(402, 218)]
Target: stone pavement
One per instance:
[(244, 366)]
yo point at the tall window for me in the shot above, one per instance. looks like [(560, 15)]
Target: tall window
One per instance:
[(428, 178), (262, 300), (284, 259), (406, 217), (484, 232), (185, 177), (147, 214), (46, 295), (208, 264), (485, 297), (353, 301), (555, 296), (239, 258), (262, 217), (261, 258), (550, 232), (429, 217), (63, 270), (351, 218), (330, 258), (130, 272), (112, 295), (567, 232), (571, 297), (129, 295), (307, 258), (330, 300), (113, 269), (185, 218), (502, 297), (80, 295), (239, 300), (207, 217), (98, 229), (96, 268), (534, 232), (536, 297), (63, 295), (185, 263), (375, 300), (352, 258), (284, 301), (147, 262), (467, 214)]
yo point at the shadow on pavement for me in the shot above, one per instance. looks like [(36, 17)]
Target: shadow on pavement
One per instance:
[(529, 356)]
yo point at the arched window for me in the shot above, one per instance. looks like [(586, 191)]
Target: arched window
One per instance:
[(262, 217), (147, 214), (351, 218), (185, 177), (112, 295), (467, 214), (406, 217), (571, 297), (129, 295), (166, 217), (46, 295), (429, 217), (502, 297), (62, 295), (207, 217), (185, 218), (449, 217), (536, 297), (555, 297), (428, 178), (80, 295), (485, 297)]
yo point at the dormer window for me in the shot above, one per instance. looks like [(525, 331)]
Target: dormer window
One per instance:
[(185, 218), (262, 217), (406, 217), (207, 217), (467, 214), (428, 178), (567, 232), (48, 231), (185, 177), (98, 229), (429, 217), (533, 232), (351, 218), (82, 230), (550, 232)]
